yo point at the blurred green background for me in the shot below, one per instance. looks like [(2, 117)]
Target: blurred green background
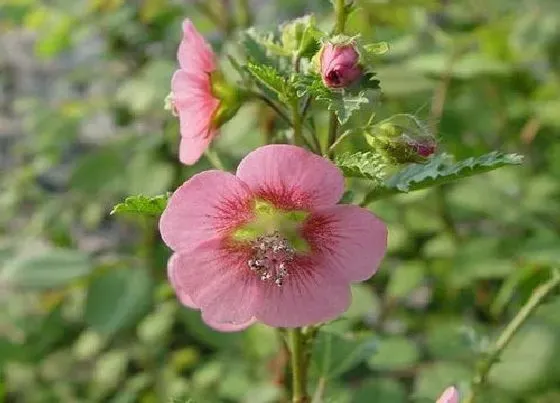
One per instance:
[(86, 312)]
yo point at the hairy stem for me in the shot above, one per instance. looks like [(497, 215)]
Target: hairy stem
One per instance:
[(539, 294), (298, 364)]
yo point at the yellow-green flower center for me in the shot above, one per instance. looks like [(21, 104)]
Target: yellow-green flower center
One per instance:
[(274, 236), (268, 219)]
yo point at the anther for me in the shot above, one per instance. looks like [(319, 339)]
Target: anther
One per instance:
[(272, 253)]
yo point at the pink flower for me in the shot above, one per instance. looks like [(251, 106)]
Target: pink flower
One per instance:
[(192, 97), (339, 65), (450, 395), (269, 244)]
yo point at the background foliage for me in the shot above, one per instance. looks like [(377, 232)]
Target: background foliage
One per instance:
[(87, 314)]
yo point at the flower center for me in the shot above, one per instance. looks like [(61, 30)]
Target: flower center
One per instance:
[(271, 257)]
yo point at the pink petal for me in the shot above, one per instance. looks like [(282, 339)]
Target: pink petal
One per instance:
[(194, 53), (192, 148), (348, 240), (196, 119), (450, 395), (186, 300), (194, 102), (209, 204), (310, 295), (219, 281), (181, 294), (186, 85), (291, 177), (228, 327)]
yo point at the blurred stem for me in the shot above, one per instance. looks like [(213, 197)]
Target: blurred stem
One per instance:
[(245, 17), (340, 16), (215, 159), (206, 10), (510, 330), (298, 364), (272, 105)]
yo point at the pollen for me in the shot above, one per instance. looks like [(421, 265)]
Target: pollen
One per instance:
[(271, 258)]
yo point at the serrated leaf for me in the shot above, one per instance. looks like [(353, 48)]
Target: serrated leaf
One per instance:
[(253, 39), (272, 79), (141, 204), (441, 169), (342, 102), (362, 165), (377, 48)]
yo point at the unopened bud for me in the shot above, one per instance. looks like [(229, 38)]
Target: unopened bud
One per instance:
[(339, 64)]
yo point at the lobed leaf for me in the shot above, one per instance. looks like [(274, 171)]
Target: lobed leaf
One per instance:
[(362, 165), (440, 169), (342, 102), (143, 205)]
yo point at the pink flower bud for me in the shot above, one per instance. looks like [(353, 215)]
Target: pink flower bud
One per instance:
[(339, 65), (423, 146), (450, 395)]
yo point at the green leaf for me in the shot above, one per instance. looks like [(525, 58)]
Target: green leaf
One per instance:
[(273, 80), (362, 165), (45, 269), (380, 390), (117, 298), (335, 354), (143, 205), (440, 169), (395, 353), (342, 102), (201, 332), (255, 42)]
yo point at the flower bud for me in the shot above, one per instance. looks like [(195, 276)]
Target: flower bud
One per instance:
[(339, 64), (405, 148), (400, 144)]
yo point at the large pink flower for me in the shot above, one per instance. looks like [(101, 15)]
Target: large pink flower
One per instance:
[(270, 243), (192, 96), (450, 395)]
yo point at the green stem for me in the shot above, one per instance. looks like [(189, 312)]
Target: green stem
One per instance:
[(271, 103), (244, 12), (340, 15), (539, 294), (297, 124), (333, 129), (297, 360), (215, 159)]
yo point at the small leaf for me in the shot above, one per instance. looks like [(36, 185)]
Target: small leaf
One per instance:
[(272, 79), (362, 165), (141, 204), (117, 298), (440, 169)]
